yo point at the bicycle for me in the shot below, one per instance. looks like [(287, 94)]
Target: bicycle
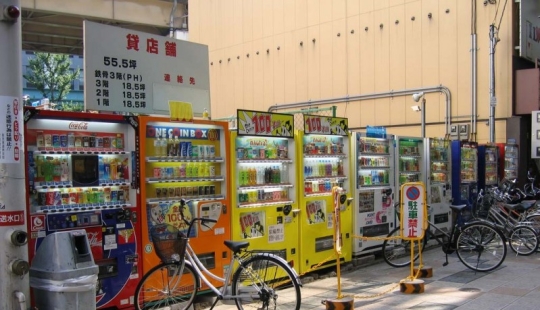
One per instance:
[(253, 279), (511, 219), (480, 246)]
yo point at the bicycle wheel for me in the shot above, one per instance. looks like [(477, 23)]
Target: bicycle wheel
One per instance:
[(397, 252), (267, 283), (167, 285), (523, 240), (480, 246), (533, 220)]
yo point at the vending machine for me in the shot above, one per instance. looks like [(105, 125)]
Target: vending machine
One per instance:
[(464, 172), (323, 159), (375, 192), (488, 165), (186, 161), (264, 204), (410, 160), (439, 182), (81, 174), (511, 159)]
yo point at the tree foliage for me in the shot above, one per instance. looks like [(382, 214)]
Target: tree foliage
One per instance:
[(50, 74)]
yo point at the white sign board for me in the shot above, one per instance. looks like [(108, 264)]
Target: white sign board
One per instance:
[(413, 211), (11, 125), (529, 34), (132, 71)]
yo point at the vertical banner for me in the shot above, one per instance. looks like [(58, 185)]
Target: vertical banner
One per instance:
[(413, 211), (10, 137)]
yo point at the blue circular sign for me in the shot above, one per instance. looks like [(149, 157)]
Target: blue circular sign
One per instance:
[(413, 193)]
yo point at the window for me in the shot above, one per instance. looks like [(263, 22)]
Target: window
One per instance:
[(71, 71), (81, 80)]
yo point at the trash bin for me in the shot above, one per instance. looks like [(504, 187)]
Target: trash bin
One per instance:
[(63, 274)]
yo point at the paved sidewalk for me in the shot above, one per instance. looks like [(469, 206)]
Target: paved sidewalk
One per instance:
[(514, 285)]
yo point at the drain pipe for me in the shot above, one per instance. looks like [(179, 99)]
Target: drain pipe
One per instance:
[(474, 74), (405, 92), (21, 299), (171, 19), (492, 98)]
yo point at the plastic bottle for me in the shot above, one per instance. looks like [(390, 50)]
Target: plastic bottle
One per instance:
[(284, 173), (157, 145), (189, 170), (164, 143), (260, 175)]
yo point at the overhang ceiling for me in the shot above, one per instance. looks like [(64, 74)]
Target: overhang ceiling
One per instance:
[(45, 31)]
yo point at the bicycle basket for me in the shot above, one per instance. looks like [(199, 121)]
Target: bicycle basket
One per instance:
[(169, 243)]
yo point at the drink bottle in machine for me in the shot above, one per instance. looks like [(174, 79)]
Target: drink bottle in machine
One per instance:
[(324, 164), (81, 175), (264, 207), (373, 214), (511, 159)]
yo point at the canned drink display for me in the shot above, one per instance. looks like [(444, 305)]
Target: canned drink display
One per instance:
[(171, 192), (63, 141), (55, 140), (212, 189), (158, 192)]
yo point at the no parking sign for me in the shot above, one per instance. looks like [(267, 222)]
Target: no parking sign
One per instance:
[(413, 211)]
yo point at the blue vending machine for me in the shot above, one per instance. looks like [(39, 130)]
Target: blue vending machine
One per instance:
[(464, 172)]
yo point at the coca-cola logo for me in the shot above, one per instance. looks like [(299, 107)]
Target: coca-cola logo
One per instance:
[(93, 239), (78, 125)]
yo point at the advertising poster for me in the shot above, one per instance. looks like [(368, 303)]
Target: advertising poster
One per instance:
[(169, 213), (10, 127), (265, 124), (252, 224), (316, 211)]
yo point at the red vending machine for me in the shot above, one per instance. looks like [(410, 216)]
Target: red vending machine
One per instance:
[(81, 175)]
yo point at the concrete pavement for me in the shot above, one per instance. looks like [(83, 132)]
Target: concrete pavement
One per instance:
[(515, 285)]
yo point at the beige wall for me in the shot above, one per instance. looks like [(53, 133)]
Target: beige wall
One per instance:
[(339, 57)]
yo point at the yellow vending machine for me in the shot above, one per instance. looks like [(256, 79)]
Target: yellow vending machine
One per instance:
[(186, 161), (264, 207), (323, 162)]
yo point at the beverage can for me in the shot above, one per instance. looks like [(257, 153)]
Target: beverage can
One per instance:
[(114, 196), (63, 140), (47, 140), (99, 142), (55, 140), (211, 150), (106, 142), (86, 141), (71, 140), (189, 151), (92, 141), (39, 139), (195, 151), (212, 189), (203, 151), (42, 198), (211, 171), (57, 200)]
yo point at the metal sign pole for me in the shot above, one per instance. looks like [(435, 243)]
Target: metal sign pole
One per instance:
[(14, 282)]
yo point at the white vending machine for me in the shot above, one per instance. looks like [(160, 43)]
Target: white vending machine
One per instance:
[(438, 182), (374, 191)]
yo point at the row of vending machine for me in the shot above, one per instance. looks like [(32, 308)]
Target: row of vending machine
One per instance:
[(118, 176)]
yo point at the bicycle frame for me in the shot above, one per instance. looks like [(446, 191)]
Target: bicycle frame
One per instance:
[(203, 272)]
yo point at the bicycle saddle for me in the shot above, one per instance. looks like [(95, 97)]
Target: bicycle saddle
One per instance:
[(458, 207), (236, 246)]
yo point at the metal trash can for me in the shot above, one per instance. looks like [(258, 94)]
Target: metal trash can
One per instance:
[(63, 274)]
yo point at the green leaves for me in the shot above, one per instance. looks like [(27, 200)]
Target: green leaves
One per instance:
[(51, 75)]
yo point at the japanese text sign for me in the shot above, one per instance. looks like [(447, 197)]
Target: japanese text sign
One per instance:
[(132, 71), (413, 211), (255, 123), (10, 130), (11, 218), (324, 125)]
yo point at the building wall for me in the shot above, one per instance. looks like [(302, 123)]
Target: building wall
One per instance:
[(264, 53)]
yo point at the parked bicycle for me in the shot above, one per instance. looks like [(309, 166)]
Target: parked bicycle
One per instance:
[(480, 246), (253, 280), (511, 219)]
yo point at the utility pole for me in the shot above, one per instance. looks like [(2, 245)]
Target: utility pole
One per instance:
[(14, 266)]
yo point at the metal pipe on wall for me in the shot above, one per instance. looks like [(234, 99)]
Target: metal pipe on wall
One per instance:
[(474, 74), (171, 19), (349, 99), (492, 96)]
